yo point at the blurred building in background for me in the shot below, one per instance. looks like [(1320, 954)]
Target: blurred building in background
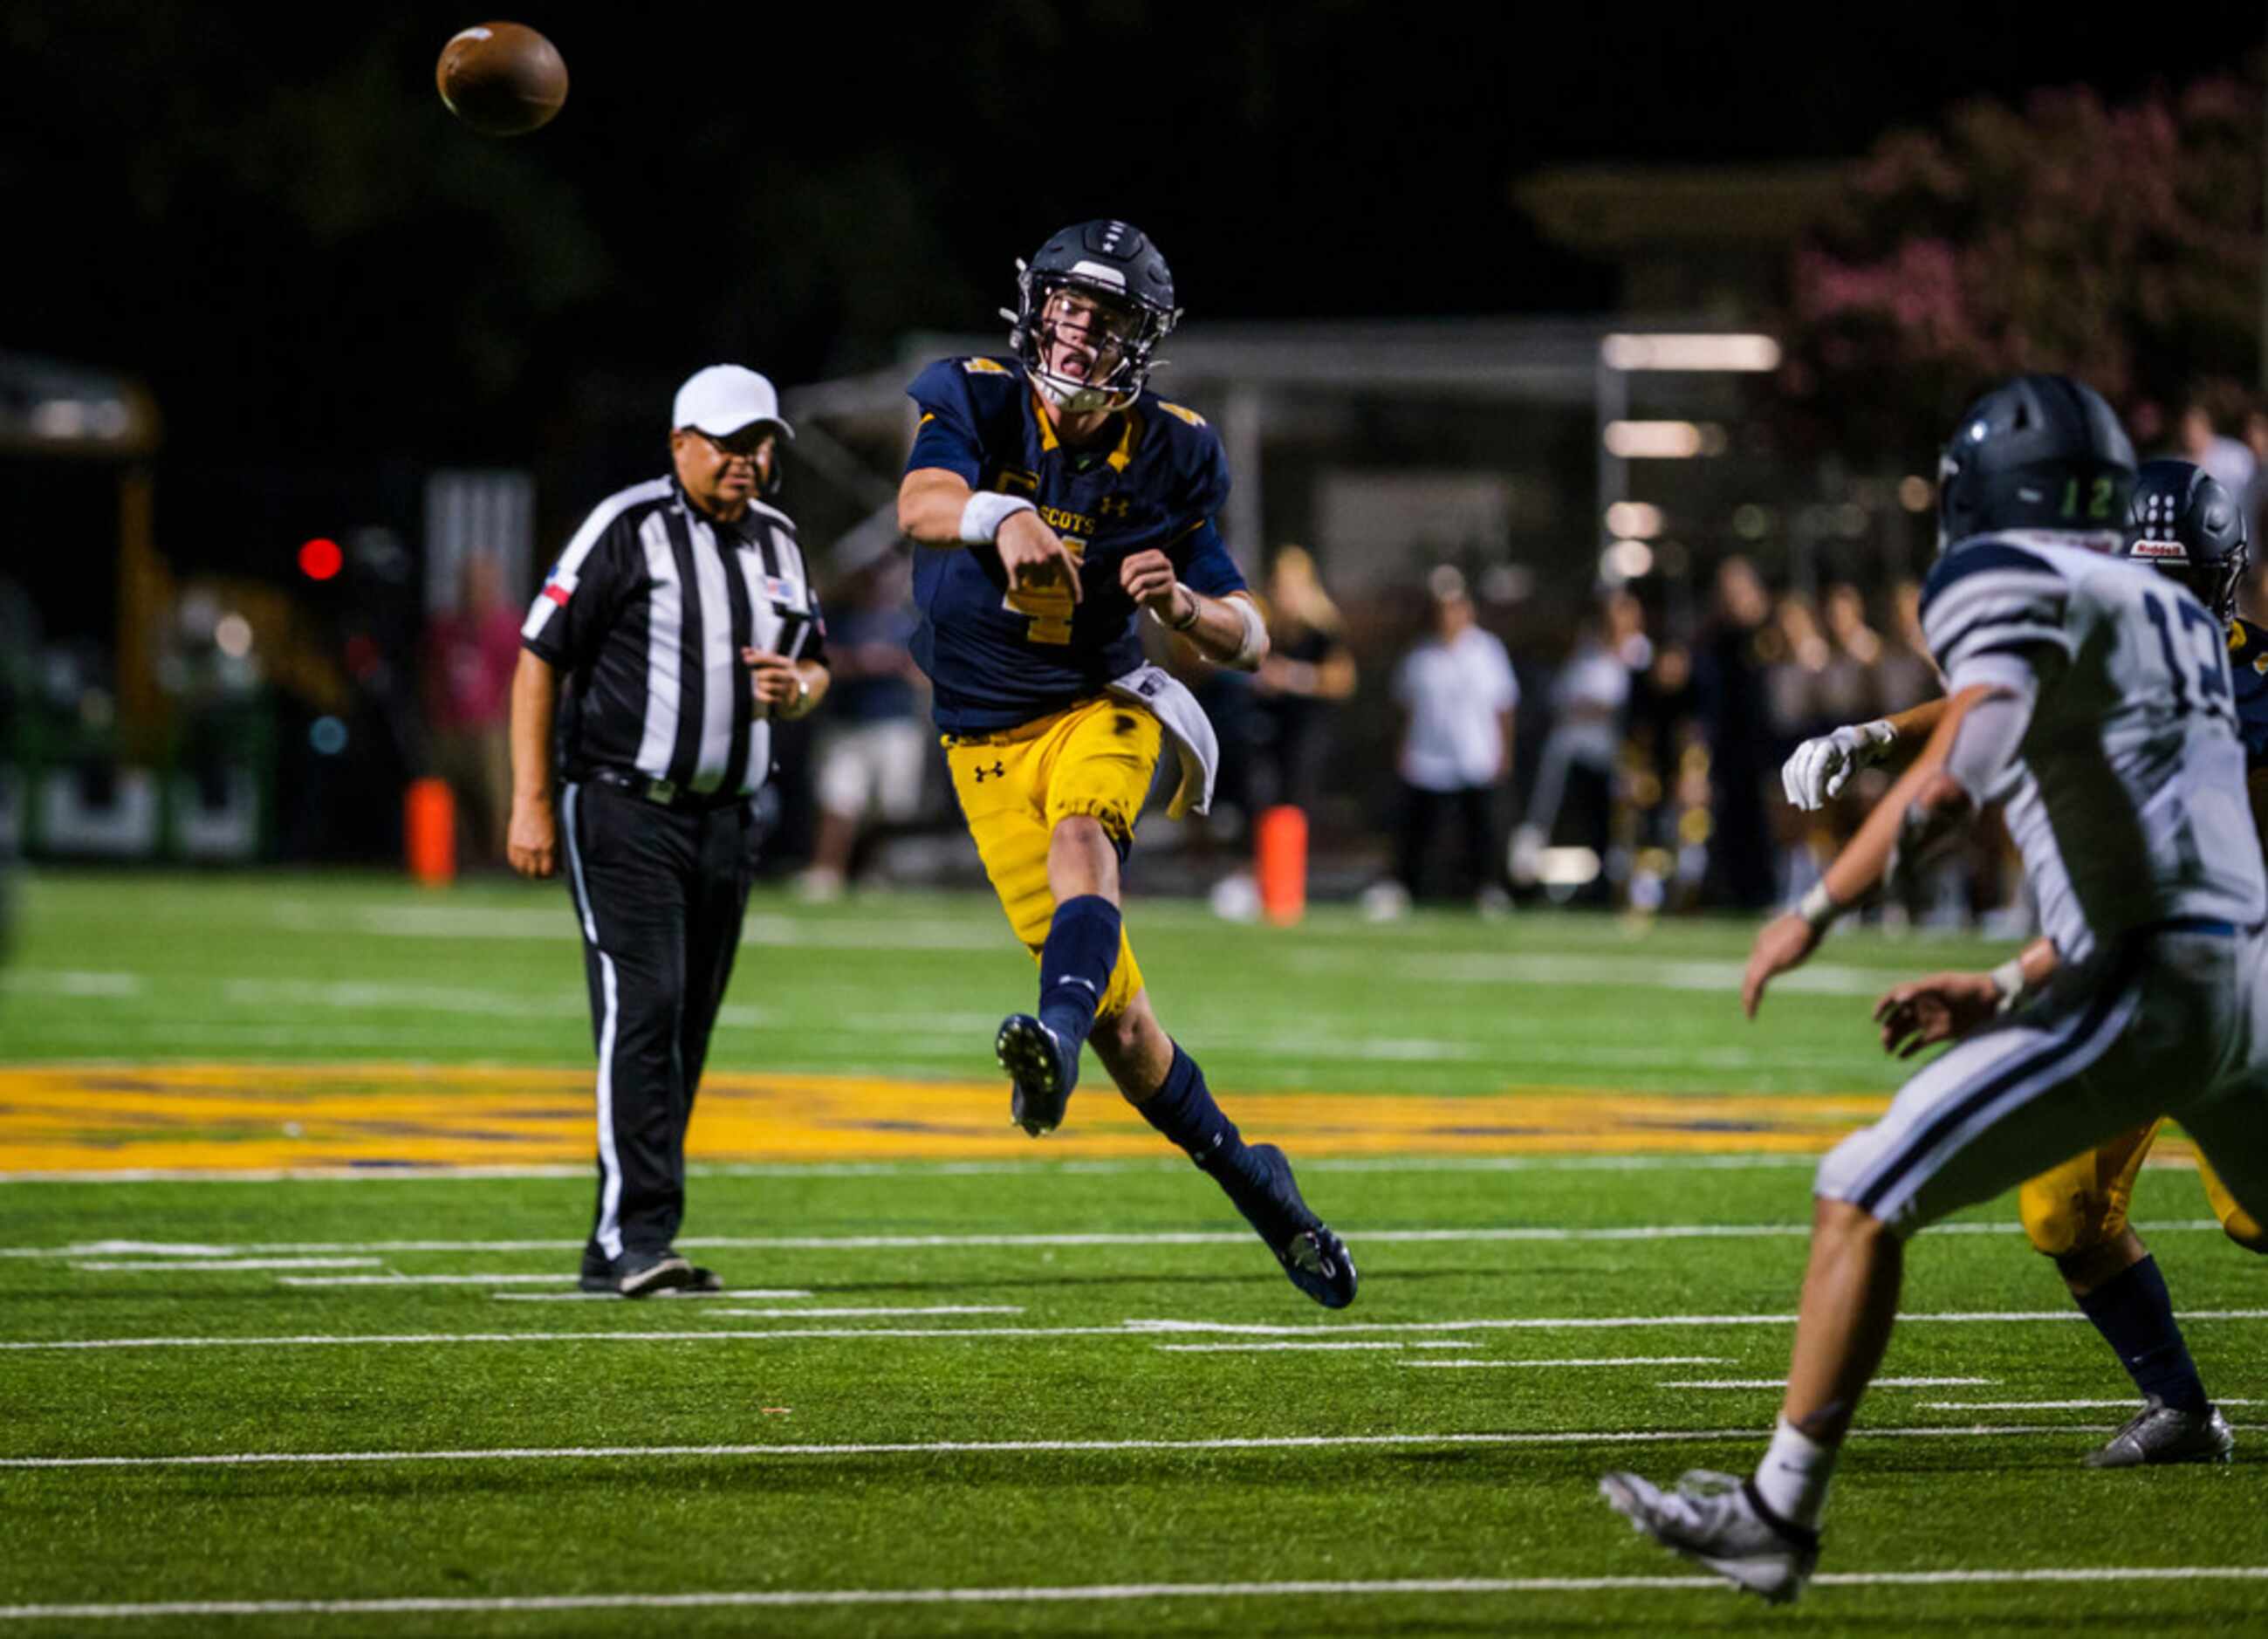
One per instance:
[(1695, 516)]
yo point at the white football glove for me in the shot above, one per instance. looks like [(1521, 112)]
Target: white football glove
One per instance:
[(1819, 768)]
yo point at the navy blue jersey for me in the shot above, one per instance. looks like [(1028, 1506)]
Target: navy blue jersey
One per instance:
[(2248, 672), (998, 659)]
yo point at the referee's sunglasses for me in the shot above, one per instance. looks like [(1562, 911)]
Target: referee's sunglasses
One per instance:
[(747, 444)]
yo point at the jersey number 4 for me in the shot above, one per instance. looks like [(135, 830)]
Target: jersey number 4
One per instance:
[(2210, 655), (1049, 607)]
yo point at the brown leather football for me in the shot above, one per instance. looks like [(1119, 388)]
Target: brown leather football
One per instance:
[(503, 79)]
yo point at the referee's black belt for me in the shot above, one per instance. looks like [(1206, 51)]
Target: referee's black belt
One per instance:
[(665, 794)]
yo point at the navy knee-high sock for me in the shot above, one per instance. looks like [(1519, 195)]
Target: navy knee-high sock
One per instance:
[(2135, 1314), (1182, 1109), (1075, 965)]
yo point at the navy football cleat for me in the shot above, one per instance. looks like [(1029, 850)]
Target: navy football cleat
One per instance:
[(1316, 1260), (1042, 1068)]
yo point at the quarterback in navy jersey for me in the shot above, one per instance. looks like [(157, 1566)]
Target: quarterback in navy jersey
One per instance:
[(1053, 501)]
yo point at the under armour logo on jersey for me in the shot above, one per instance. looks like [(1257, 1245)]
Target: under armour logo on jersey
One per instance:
[(1114, 507), (998, 770)]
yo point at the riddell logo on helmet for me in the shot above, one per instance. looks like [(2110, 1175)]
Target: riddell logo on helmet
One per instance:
[(2161, 551)]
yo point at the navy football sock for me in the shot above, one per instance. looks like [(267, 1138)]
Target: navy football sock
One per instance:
[(1182, 1109), (1075, 965), (2135, 1314)]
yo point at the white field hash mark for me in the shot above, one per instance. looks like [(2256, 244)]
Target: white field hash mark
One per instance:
[(1255, 1348), (2129, 1404), (1108, 1592), (1872, 1383), (1004, 1448), (172, 1265), (1541, 1365), (1139, 1329)]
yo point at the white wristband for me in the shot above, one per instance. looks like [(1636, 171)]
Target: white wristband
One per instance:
[(982, 518), (1818, 908), (1255, 633), (2008, 980)]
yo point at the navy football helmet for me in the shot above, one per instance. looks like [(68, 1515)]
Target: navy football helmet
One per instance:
[(1113, 264), (2039, 451), (2184, 523)]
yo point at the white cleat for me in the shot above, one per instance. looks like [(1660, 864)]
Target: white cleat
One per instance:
[(1719, 1521)]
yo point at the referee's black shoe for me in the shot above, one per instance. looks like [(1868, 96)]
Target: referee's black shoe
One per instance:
[(643, 1274)]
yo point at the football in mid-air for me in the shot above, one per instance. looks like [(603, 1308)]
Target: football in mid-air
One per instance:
[(503, 79)]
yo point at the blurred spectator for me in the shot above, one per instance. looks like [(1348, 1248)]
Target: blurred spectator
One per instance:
[(2255, 498), (471, 653), (1583, 746), (1851, 685), (1308, 669), (1797, 653), (2226, 459), (1457, 692), (873, 745), (1903, 677), (1734, 696)]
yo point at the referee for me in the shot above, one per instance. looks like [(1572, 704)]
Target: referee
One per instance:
[(682, 620)]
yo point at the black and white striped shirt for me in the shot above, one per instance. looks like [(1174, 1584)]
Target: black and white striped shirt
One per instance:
[(647, 611)]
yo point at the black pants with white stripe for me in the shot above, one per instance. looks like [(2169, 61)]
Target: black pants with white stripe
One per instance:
[(660, 896)]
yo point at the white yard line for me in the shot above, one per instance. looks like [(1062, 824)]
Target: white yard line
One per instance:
[(845, 1314), (1105, 1593), (737, 1294), (994, 1448), (173, 1266), (1875, 1383), (437, 1172), (1258, 1348), (1150, 1330), (1547, 1234), (425, 1279), (70, 982), (2129, 1404), (1543, 1365)]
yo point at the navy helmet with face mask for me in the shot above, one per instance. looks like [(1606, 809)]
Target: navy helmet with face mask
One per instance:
[(1114, 265), (2183, 522)]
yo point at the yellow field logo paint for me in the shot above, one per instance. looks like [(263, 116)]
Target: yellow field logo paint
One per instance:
[(227, 1118)]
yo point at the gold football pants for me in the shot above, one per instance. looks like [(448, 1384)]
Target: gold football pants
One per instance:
[(2082, 1204), (1017, 785)]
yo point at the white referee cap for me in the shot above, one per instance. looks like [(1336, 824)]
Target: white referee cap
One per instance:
[(724, 398)]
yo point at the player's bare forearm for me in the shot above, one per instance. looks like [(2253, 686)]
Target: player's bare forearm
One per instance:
[(1915, 725), (930, 501), (1858, 869), (1220, 633)]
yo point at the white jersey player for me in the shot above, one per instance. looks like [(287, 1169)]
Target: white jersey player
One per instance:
[(2092, 698)]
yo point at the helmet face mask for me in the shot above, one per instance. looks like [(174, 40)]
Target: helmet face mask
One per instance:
[(2183, 523), (1110, 273)]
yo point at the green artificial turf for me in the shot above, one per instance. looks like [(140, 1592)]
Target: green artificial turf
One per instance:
[(131, 968)]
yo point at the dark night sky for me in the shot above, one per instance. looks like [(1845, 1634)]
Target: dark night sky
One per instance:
[(270, 217)]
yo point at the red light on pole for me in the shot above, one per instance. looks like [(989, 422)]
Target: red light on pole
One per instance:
[(321, 559)]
